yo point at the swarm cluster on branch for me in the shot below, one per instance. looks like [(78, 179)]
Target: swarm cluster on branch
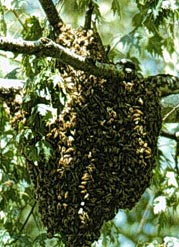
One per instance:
[(104, 140)]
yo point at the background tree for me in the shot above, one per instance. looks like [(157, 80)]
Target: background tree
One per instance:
[(143, 31)]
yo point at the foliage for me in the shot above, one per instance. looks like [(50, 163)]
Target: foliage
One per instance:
[(158, 17), (32, 29), (44, 98), (15, 188), (142, 31)]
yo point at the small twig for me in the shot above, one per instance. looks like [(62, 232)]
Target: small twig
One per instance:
[(28, 217), (170, 112), (173, 136), (17, 16), (176, 157)]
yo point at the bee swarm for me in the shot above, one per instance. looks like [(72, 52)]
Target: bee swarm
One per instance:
[(105, 143)]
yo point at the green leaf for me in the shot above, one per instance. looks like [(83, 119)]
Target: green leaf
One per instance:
[(82, 4), (132, 39), (3, 25), (169, 45), (40, 240), (137, 20), (43, 150), (5, 237), (32, 29), (115, 6), (155, 44)]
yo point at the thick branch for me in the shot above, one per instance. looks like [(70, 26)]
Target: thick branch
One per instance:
[(167, 84), (47, 48), (173, 136), (51, 12), (88, 16)]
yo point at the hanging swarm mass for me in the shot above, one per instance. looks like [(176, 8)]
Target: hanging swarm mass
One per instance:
[(105, 143)]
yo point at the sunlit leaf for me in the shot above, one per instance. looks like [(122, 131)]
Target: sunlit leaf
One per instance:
[(159, 204), (43, 148), (171, 241)]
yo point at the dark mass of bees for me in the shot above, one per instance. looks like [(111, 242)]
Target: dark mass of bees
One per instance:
[(104, 142)]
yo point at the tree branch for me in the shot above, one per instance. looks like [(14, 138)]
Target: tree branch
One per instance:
[(168, 84), (51, 13), (172, 136), (44, 47), (47, 48), (88, 16), (28, 217)]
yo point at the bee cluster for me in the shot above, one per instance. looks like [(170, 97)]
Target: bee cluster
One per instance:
[(105, 143)]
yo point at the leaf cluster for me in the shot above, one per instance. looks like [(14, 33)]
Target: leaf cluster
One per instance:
[(32, 29), (16, 192), (165, 187), (158, 17), (43, 100)]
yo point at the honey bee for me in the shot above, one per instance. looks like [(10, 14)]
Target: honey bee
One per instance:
[(86, 196), (81, 186), (65, 205), (84, 182), (66, 194), (86, 176), (84, 191), (102, 149)]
